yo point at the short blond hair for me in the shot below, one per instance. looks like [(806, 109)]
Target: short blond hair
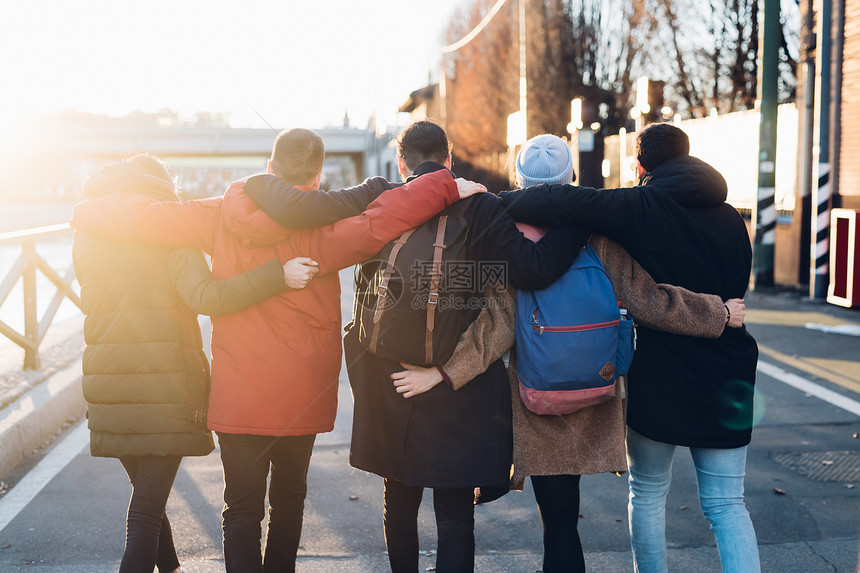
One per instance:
[(297, 156)]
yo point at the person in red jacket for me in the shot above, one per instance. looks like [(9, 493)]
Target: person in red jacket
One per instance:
[(275, 365)]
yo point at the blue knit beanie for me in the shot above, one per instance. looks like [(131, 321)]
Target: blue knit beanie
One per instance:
[(544, 159)]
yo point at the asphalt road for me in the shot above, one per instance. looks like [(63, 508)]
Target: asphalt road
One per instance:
[(803, 464)]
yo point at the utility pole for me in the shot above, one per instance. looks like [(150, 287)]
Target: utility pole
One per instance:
[(820, 204), (523, 83), (803, 197), (765, 212), (443, 91)]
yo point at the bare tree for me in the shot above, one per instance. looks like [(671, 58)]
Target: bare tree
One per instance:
[(714, 46), (706, 52), (574, 49), (482, 87)]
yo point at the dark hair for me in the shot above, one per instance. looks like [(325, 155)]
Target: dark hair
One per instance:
[(297, 156), (145, 174), (423, 141), (660, 142), (151, 165)]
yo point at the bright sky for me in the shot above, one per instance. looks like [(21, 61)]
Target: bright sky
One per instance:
[(298, 63)]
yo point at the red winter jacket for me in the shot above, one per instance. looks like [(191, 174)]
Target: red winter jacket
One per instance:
[(275, 365)]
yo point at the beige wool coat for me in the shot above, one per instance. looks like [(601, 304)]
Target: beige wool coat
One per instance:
[(591, 440)]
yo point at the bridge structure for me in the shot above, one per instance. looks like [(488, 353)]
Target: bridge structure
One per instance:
[(369, 152), (68, 145)]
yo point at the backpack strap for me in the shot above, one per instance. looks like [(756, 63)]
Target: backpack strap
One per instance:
[(382, 289), (433, 295)]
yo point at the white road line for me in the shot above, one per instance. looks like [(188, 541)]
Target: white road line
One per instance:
[(53, 463), (812, 388)]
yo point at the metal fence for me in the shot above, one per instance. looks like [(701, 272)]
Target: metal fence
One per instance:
[(25, 269)]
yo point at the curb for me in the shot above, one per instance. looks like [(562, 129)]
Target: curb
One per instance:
[(29, 421)]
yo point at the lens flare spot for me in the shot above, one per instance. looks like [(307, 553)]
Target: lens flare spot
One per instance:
[(740, 407)]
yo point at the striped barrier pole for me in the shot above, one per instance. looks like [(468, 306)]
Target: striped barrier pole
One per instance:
[(819, 258), (765, 213), (819, 215), (765, 230)]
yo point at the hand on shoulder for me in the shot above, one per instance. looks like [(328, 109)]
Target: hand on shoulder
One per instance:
[(468, 188)]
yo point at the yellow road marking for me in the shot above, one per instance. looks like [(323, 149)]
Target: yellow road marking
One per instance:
[(791, 318), (845, 373)]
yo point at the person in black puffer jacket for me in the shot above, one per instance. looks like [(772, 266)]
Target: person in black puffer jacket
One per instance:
[(145, 375)]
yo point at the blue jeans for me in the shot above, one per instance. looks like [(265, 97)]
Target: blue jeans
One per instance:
[(720, 477)]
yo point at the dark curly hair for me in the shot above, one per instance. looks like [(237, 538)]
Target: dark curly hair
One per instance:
[(423, 141), (660, 142)]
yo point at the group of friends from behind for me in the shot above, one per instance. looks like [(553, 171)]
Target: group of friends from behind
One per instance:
[(678, 257)]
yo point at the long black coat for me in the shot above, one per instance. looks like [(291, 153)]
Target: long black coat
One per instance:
[(442, 438), (685, 391)]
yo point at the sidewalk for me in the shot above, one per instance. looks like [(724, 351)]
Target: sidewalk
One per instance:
[(36, 404)]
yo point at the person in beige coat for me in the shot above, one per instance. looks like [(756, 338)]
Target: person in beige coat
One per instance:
[(556, 450)]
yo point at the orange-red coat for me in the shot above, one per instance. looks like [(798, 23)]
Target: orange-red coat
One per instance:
[(275, 365)]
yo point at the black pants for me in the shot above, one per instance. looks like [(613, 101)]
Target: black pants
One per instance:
[(558, 501), (148, 537), (455, 527), (246, 460)]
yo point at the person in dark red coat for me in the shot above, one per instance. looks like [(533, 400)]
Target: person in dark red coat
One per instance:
[(275, 365)]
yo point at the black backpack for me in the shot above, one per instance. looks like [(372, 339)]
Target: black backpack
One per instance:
[(409, 305)]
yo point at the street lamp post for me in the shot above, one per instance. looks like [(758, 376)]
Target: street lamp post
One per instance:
[(573, 129), (516, 137), (523, 82), (642, 106)]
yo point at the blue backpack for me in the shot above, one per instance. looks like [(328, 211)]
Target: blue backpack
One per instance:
[(573, 341)]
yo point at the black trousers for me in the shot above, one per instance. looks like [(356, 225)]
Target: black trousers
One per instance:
[(148, 537), (558, 501), (455, 527), (247, 460)]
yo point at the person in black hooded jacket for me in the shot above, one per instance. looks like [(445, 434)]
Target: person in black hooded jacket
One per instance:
[(684, 391)]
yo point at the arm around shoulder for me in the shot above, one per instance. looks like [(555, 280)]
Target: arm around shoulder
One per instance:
[(296, 209), (528, 265), (606, 211), (355, 239), (131, 217)]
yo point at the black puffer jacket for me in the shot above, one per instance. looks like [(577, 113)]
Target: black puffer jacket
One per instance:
[(146, 378), (685, 391)]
